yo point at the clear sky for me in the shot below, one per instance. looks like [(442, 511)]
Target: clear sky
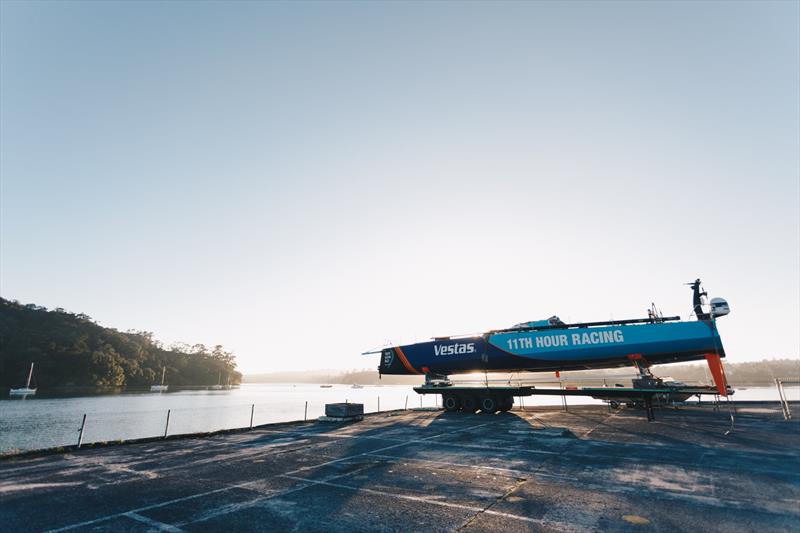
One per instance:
[(304, 181)]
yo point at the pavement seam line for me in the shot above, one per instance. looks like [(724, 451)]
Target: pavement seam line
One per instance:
[(609, 417), (519, 482), (242, 485), (562, 525), (497, 468), (161, 526), (140, 509), (446, 463), (233, 507), (383, 493), (404, 443), (522, 482)]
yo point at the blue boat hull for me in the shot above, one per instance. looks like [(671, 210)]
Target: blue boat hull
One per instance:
[(555, 349)]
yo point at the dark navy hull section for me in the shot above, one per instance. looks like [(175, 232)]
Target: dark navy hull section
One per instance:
[(557, 349)]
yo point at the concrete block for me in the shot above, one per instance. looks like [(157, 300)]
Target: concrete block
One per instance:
[(344, 410)]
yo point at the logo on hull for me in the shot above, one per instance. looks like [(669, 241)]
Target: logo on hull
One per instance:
[(454, 349)]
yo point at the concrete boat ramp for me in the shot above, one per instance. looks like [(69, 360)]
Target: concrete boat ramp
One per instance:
[(538, 470)]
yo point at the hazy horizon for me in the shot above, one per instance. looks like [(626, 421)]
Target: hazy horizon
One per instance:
[(302, 182), (629, 369)]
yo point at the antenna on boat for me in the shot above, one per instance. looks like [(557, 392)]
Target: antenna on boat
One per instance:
[(697, 299), (718, 306), (654, 313)]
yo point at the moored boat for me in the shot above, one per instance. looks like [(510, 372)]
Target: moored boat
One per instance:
[(26, 390), (219, 385), (162, 387)]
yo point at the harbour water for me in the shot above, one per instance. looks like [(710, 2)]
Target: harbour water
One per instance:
[(41, 422)]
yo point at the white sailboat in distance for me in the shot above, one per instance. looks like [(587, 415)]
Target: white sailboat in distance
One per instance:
[(26, 390), (218, 386), (162, 387)]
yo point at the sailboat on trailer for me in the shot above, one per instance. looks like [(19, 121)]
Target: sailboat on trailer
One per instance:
[(26, 390), (162, 387)]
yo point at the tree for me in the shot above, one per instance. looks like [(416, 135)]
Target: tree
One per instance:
[(72, 350)]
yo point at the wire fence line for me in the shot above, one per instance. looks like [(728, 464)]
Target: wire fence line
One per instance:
[(52, 423), (108, 426)]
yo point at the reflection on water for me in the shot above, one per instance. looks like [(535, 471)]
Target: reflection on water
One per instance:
[(44, 422)]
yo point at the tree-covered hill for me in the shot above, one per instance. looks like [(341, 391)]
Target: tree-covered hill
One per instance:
[(71, 350)]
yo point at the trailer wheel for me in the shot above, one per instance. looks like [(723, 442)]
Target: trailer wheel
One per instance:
[(451, 402), (506, 403), (614, 404), (468, 404), (488, 405)]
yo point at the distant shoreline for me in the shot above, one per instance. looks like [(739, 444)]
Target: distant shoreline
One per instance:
[(88, 390), (267, 382), (746, 374)]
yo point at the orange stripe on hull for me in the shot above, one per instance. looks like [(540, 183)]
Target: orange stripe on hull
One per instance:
[(404, 360)]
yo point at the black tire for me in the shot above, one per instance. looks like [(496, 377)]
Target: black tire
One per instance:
[(468, 404), (506, 403), (451, 403), (614, 404), (489, 404)]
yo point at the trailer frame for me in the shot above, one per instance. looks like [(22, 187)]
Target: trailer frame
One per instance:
[(490, 399)]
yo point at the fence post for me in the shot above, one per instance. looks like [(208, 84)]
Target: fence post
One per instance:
[(420, 401), (252, 412), (166, 427), (406, 407), (379, 404), (305, 414), (80, 434), (787, 412)]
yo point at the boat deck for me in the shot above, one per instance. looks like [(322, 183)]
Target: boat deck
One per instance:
[(539, 470)]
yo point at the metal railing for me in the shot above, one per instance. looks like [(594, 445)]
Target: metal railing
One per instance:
[(784, 398), (83, 429)]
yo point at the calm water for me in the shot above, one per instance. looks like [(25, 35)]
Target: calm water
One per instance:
[(34, 423)]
